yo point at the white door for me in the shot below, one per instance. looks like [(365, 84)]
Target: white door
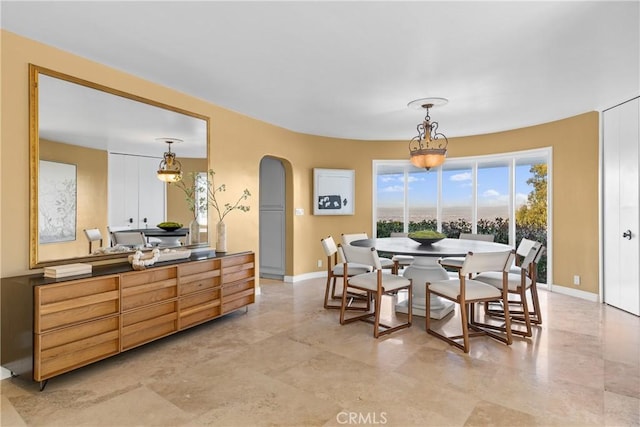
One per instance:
[(123, 191), (621, 136), (136, 196), (151, 193)]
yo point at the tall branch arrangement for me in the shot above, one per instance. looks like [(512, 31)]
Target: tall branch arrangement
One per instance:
[(200, 193)]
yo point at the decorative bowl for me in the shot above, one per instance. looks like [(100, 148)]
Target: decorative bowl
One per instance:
[(426, 237), (426, 241), (169, 226)]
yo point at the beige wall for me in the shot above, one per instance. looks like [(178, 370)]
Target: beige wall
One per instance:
[(575, 167), (91, 182)]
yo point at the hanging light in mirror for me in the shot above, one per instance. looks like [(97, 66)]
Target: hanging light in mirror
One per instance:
[(429, 148), (170, 169)]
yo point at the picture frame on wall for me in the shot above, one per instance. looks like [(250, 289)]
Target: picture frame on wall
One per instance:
[(333, 191)]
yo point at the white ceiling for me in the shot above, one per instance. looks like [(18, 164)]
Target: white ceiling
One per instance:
[(348, 69)]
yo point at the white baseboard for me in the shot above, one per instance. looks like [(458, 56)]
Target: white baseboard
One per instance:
[(4, 373), (574, 293), (305, 276)]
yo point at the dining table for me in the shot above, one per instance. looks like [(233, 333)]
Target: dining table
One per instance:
[(426, 268), (166, 237)]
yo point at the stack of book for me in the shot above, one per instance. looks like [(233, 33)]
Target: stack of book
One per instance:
[(67, 270)]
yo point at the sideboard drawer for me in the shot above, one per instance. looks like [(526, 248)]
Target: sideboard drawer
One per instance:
[(199, 307), (238, 294), (68, 348), (64, 304), (148, 287), (207, 266), (146, 324)]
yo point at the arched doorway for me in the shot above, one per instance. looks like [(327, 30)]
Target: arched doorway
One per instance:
[(272, 218)]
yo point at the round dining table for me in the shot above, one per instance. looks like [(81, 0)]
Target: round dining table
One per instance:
[(425, 267), (166, 238)]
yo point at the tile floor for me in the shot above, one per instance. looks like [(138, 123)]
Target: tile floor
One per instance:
[(287, 361)]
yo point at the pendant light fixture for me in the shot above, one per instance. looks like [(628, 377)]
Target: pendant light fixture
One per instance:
[(429, 148), (170, 169)]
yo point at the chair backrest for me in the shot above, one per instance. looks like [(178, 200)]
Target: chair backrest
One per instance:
[(473, 236), (362, 255), (329, 246), (397, 234), (112, 229), (531, 256), (93, 235), (524, 247), (486, 261), (348, 238), (129, 238)]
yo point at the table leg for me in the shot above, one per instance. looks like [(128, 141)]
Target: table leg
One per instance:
[(421, 271)]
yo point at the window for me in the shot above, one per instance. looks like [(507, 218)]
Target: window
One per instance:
[(504, 195)]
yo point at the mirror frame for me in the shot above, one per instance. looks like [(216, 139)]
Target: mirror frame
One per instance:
[(34, 156)]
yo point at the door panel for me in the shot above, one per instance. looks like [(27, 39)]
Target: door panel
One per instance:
[(621, 195), (272, 218)]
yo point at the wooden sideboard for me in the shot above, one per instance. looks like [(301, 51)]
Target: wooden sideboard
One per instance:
[(53, 326)]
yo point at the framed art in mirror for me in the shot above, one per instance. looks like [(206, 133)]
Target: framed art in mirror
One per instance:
[(56, 202)]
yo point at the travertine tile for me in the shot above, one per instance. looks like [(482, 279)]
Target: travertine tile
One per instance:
[(288, 361)]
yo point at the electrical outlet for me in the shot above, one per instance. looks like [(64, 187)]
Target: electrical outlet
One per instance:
[(576, 280), (319, 263)]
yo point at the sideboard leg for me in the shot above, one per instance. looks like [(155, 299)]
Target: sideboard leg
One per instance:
[(43, 384)]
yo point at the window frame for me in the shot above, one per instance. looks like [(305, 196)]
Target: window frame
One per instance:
[(511, 158)]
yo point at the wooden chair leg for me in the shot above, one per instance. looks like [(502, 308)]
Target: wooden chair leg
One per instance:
[(326, 291), (507, 318), (536, 304), (465, 326), (427, 317), (376, 324), (344, 303), (525, 312)]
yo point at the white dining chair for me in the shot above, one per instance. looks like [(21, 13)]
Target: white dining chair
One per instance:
[(401, 261), (93, 235), (455, 262), (335, 270), (351, 237), (467, 292), (376, 284)]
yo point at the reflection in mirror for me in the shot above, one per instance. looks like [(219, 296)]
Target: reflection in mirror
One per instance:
[(95, 153)]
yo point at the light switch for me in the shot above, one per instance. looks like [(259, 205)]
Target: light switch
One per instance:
[(299, 211)]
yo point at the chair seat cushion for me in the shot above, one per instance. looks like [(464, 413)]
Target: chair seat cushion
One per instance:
[(494, 278), (369, 281), (473, 289), (353, 269), (515, 270), (386, 262), (402, 259), (452, 261)]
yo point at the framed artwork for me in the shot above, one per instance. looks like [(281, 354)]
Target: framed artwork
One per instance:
[(333, 191), (57, 197)]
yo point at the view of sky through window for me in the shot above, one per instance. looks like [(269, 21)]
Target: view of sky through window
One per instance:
[(457, 191)]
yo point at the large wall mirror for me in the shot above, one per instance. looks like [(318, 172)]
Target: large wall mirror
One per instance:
[(94, 154)]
